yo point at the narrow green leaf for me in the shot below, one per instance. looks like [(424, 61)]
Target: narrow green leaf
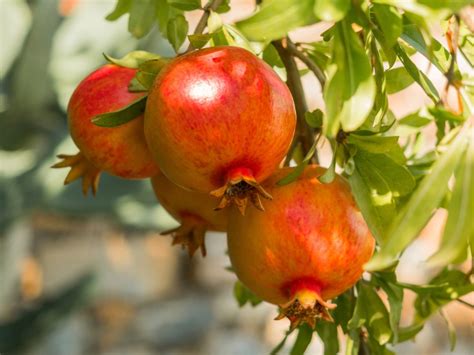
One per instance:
[(243, 295), (214, 22), (350, 91), (177, 30), (451, 329), (298, 170), (276, 18), (281, 344), (390, 22), (398, 79), (374, 144), (132, 59), (142, 17), (148, 71), (185, 5), (331, 10), (353, 343), (418, 210), (370, 312), (165, 13), (199, 40), (124, 115), (270, 55), (417, 75), (459, 226), (305, 334), (330, 173), (314, 119), (122, 7), (327, 331)]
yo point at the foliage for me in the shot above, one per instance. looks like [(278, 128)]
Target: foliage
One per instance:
[(364, 56)]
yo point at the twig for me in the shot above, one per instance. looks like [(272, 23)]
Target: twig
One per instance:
[(465, 303), (201, 26), (307, 61), (304, 134)]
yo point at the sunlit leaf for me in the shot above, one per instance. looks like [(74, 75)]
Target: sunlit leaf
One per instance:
[(243, 295), (459, 226), (298, 170), (276, 18), (122, 7), (418, 210), (331, 10), (350, 91), (398, 79), (142, 17), (185, 5), (132, 59), (389, 21)]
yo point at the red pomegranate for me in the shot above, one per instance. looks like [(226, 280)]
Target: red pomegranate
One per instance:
[(220, 121), (194, 210), (121, 150), (308, 247)]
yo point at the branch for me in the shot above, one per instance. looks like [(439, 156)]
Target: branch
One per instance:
[(303, 132), (201, 26), (291, 47)]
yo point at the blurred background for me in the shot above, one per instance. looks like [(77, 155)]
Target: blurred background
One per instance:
[(93, 275)]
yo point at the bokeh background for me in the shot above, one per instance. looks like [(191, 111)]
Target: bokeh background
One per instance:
[(93, 275)]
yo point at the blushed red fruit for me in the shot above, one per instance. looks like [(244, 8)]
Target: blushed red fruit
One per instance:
[(220, 120), (194, 210), (308, 247), (121, 150)]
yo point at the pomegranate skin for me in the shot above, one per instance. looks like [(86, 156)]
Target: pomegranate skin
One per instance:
[(309, 245), (121, 150), (217, 114), (194, 210)]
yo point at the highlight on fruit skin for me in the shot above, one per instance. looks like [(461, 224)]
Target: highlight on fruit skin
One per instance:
[(121, 151), (194, 210), (219, 120), (308, 247)]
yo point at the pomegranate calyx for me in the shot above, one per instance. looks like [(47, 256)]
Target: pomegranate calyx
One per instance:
[(190, 237), (80, 168), (306, 307), (239, 191)]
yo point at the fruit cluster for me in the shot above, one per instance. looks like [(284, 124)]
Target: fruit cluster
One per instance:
[(217, 125)]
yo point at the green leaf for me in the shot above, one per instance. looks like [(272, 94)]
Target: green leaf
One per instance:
[(177, 30), (314, 119), (390, 22), (122, 7), (377, 215), (353, 343), (243, 295), (185, 5), (148, 71), (350, 91), (142, 17), (327, 331), (374, 144), (199, 40), (331, 10), (451, 330), (165, 13), (276, 18), (305, 334), (370, 312), (418, 210), (298, 170), (281, 344), (459, 227), (124, 115), (132, 59), (270, 55), (394, 292), (214, 22), (398, 79), (417, 75), (330, 173)]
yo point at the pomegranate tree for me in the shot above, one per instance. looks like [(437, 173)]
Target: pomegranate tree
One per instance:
[(220, 121), (194, 210), (120, 151), (308, 247)]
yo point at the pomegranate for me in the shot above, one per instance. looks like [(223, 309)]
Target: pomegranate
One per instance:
[(308, 247), (194, 210), (219, 120), (120, 151)]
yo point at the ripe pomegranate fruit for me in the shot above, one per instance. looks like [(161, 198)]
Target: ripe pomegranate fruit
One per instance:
[(121, 150), (194, 210), (220, 120), (308, 247)]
